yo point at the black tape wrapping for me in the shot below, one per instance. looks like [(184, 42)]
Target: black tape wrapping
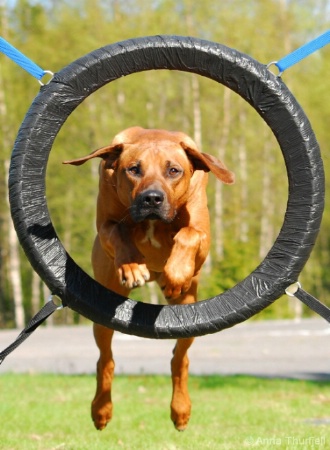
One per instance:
[(266, 93)]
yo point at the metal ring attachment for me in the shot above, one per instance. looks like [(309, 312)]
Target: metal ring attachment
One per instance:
[(292, 289), (47, 72), (274, 63)]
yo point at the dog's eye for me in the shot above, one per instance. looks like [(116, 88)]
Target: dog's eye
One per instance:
[(173, 171), (134, 170)]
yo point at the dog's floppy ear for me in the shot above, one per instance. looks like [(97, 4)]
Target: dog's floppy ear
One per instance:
[(203, 161), (110, 153)]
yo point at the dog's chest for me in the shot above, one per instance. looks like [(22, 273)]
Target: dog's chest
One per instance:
[(155, 241), (149, 237)]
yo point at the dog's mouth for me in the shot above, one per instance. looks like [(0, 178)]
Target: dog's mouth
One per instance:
[(153, 216), (139, 216), (152, 204), (162, 212)]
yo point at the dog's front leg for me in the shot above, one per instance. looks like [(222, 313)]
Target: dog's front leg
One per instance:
[(116, 240), (187, 256)]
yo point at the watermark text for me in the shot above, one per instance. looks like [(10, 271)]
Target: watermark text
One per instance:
[(290, 442)]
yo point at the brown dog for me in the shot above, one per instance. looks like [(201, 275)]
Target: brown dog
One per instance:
[(152, 224)]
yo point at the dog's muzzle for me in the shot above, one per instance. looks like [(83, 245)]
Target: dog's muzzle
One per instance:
[(151, 205)]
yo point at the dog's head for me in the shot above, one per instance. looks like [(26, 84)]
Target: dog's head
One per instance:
[(152, 169)]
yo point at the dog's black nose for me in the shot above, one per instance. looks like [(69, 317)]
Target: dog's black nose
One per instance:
[(152, 198)]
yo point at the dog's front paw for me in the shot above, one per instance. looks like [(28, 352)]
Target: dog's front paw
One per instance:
[(172, 292), (175, 285), (133, 275)]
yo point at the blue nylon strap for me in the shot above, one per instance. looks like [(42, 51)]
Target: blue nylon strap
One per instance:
[(20, 59), (303, 52)]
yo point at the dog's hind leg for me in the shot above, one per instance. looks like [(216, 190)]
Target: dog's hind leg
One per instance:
[(102, 404), (104, 272), (181, 404)]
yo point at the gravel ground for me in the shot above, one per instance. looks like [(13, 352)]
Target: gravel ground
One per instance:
[(267, 349)]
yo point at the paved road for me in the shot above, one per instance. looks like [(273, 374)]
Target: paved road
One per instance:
[(267, 349)]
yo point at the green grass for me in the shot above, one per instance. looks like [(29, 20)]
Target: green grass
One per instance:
[(46, 412)]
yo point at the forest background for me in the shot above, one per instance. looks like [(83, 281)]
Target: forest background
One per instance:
[(246, 217)]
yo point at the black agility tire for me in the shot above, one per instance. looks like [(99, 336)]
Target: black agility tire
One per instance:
[(265, 92)]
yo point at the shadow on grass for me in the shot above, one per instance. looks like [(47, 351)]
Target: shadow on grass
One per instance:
[(253, 381)]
